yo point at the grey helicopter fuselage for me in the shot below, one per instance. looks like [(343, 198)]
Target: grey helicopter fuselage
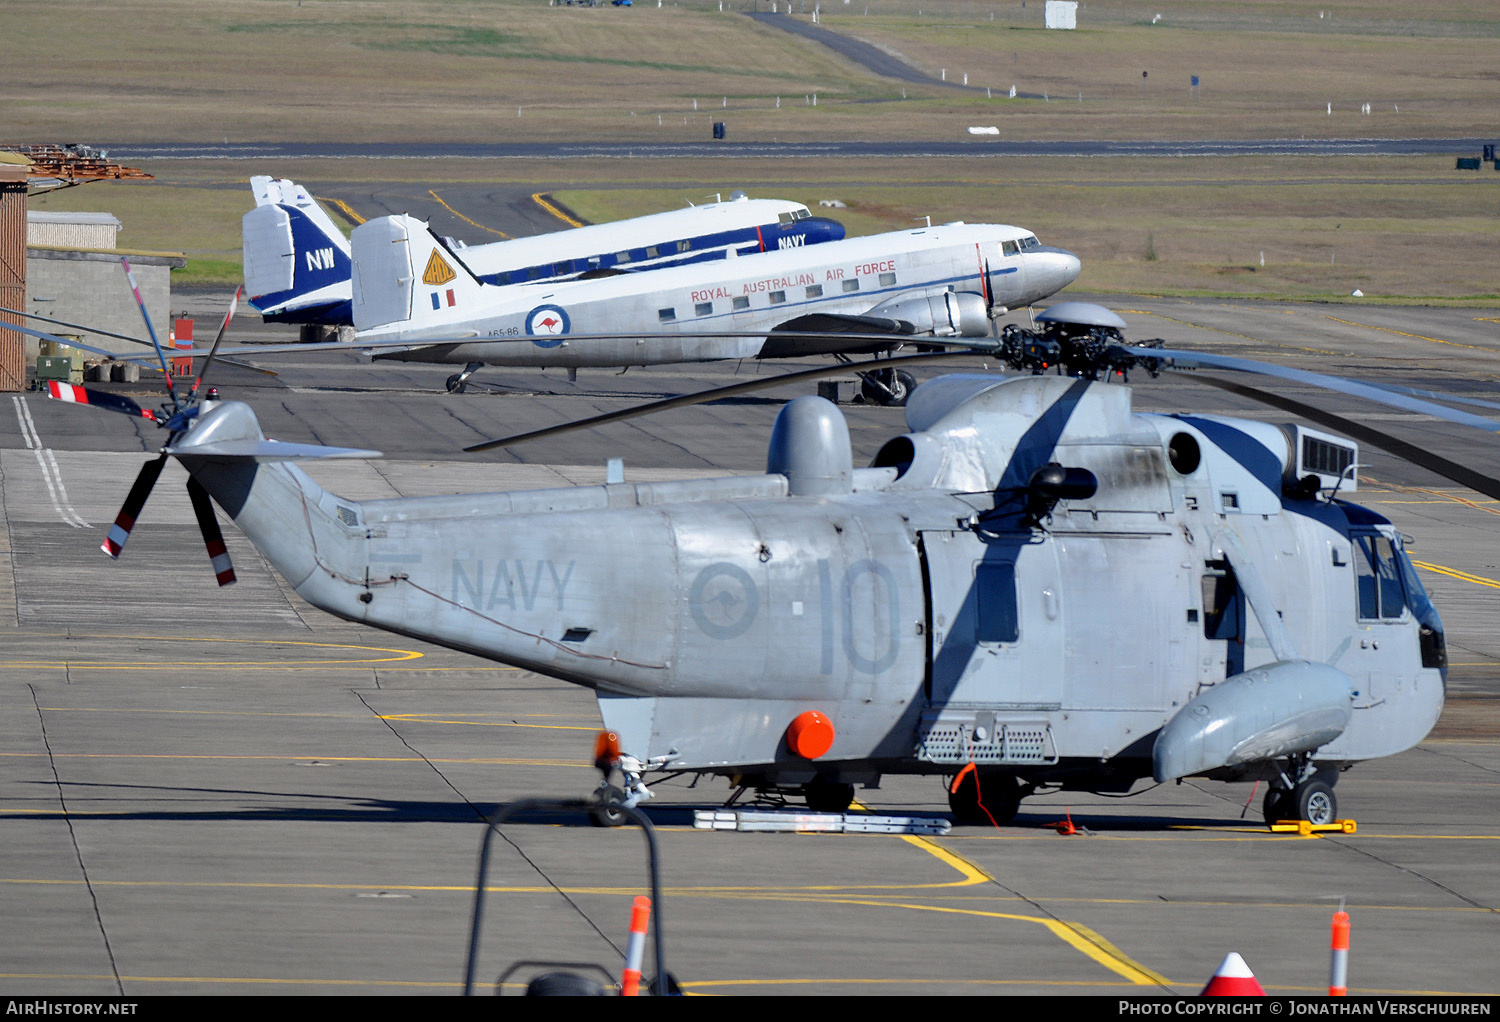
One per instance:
[(1201, 611)]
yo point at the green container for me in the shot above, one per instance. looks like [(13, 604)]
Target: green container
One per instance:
[(58, 367)]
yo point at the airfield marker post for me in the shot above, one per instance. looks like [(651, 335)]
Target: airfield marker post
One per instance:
[(1338, 973)]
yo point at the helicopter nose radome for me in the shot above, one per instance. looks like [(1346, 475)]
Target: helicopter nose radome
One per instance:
[(1049, 270)]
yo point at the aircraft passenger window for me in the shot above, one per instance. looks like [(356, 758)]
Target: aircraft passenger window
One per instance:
[(666, 315), (684, 246), (778, 297), (561, 268), (887, 280), (815, 290), (622, 257), (502, 278), (651, 252), (851, 285), (703, 308), (1377, 576), (1009, 248), (998, 617), (741, 304)]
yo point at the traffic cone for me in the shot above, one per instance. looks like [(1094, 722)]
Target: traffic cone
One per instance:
[(1234, 979)]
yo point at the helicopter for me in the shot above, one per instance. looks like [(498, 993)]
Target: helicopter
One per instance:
[(1034, 586)]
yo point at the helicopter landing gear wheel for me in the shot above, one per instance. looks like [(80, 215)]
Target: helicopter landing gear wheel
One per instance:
[(1313, 800), (978, 801), (825, 796), (887, 387), (457, 384), (608, 811)]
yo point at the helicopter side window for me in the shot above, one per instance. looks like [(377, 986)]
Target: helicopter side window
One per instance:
[(999, 619), (1221, 604), (1377, 575)]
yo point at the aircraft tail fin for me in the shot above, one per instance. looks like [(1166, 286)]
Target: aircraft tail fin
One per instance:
[(296, 259), (405, 275)]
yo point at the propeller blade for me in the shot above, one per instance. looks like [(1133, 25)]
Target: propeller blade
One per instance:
[(134, 501), (233, 302), (1451, 470), (151, 330), (74, 394), (208, 524), (699, 397)]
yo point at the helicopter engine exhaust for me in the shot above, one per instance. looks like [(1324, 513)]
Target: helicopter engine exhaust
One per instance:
[(1281, 709)]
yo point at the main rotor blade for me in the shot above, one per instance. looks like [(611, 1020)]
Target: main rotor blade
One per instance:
[(140, 302), (208, 524), (134, 501), (1334, 383), (1451, 470), (233, 302), (699, 397), (74, 394)]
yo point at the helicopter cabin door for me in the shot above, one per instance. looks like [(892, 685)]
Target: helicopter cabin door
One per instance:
[(995, 648)]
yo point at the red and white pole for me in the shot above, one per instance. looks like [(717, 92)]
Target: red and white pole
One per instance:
[(640, 913), (1338, 973)]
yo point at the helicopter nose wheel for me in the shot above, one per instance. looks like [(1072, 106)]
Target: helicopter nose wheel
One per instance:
[(887, 387), (459, 382)]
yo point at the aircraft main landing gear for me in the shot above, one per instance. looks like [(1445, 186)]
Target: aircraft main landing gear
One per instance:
[(887, 387), (1311, 799)]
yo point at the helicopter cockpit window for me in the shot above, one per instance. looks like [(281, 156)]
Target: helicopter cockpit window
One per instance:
[(1377, 574)]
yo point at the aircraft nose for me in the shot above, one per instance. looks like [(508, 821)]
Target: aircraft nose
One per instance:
[(1049, 270)]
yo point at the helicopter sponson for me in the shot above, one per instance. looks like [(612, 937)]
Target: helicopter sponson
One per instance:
[(1035, 586)]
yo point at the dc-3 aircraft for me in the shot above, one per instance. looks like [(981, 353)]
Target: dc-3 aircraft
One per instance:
[(297, 262), (943, 282), (1034, 586)]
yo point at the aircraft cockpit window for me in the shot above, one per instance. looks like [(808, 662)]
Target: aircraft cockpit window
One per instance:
[(801, 214), (1029, 242), (1377, 574), (785, 218), (1009, 248)]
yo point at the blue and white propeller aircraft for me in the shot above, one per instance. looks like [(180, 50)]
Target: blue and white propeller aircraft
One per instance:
[(297, 262), (944, 282)]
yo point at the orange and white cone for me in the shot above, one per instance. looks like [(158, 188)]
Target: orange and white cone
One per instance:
[(1233, 979)]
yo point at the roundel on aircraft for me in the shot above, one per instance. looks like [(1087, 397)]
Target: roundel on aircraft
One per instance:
[(546, 321)]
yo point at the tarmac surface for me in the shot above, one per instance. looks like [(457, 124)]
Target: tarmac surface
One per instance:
[(209, 791)]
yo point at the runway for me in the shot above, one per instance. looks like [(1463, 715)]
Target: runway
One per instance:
[(210, 791)]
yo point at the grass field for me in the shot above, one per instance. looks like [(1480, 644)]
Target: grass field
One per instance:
[(337, 70), (1406, 228)]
